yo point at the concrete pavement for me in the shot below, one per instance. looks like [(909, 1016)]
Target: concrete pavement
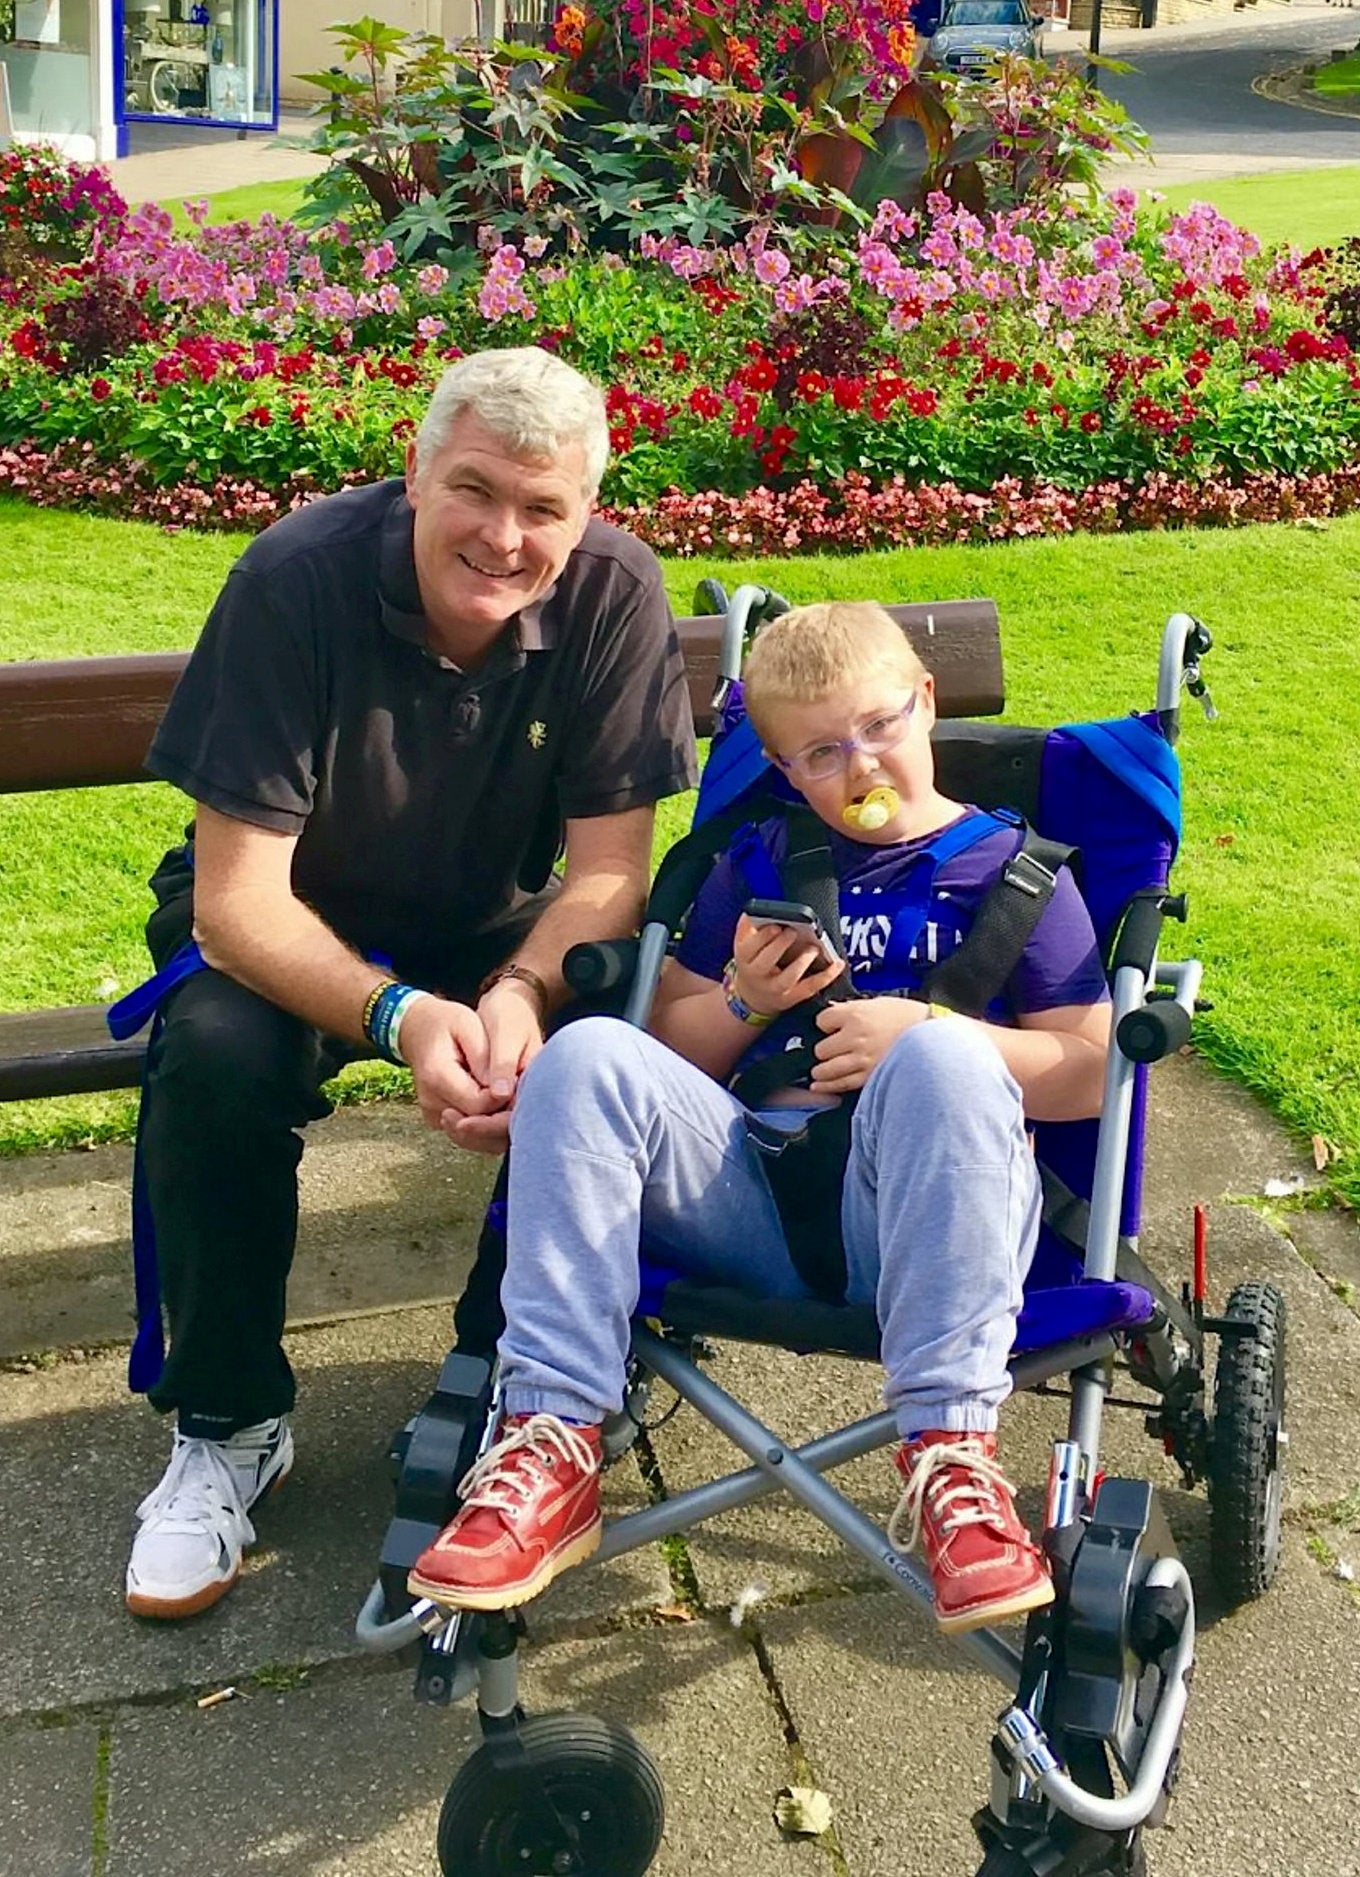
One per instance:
[(322, 1764)]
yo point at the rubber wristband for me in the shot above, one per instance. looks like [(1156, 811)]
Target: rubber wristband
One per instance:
[(400, 1007), (942, 1010), (741, 1010), (366, 1020), (391, 1000)]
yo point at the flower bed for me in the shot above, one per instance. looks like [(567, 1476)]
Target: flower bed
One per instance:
[(937, 376)]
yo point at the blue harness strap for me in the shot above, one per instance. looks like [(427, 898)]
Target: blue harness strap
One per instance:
[(125, 1018), (1142, 760)]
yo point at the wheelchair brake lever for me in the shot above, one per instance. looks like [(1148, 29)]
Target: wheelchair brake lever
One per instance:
[(1197, 688)]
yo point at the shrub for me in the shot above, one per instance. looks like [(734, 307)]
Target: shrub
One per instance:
[(51, 210)]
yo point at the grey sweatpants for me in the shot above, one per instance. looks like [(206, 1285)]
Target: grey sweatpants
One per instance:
[(615, 1136)]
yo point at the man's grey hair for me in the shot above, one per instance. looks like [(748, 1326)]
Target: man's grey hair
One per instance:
[(535, 403)]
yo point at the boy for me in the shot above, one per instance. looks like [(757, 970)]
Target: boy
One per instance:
[(619, 1133)]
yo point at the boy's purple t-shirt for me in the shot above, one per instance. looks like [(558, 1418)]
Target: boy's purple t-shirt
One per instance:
[(1060, 964)]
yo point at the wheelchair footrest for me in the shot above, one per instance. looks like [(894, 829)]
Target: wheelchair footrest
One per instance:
[(430, 1457)]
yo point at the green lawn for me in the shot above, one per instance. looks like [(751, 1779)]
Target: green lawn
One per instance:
[(1313, 208), (246, 204), (1341, 78), (1271, 858)]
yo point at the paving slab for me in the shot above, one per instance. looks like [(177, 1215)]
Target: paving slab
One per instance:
[(895, 1724), (80, 1452), (47, 1786), (347, 1776), (389, 1214)]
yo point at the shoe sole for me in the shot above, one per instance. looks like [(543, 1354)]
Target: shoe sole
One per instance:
[(986, 1614), (168, 1609), (507, 1599)]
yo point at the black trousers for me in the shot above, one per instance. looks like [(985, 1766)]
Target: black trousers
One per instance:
[(231, 1082)]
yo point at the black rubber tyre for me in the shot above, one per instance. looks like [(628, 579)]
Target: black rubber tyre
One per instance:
[(1246, 1457), (710, 596), (504, 1814)]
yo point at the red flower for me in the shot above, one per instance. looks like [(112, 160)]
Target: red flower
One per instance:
[(848, 393), (760, 375), (705, 403), (810, 386), (1090, 422), (100, 389)]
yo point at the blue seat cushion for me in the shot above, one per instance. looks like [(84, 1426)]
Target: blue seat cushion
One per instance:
[(1048, 1317)]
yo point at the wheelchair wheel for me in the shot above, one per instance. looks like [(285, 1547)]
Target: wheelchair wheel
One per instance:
[(576, 1796), (1246, 1460)]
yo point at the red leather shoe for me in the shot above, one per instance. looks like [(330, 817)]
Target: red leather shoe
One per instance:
[(959, 1504), (531, 1507)]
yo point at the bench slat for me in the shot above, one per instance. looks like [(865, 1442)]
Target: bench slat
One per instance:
[(81, 722), (958, 640), (85, 722), (64, 1052)]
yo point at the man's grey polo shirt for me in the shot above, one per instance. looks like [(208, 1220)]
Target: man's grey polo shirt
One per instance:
[(427, 801)]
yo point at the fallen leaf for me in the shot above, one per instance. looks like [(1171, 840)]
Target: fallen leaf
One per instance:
[(1321, 1152), (675, 1613), (1224, 840), (802, 1809)]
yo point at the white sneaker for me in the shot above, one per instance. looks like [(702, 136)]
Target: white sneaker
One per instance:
[(196, 1524)]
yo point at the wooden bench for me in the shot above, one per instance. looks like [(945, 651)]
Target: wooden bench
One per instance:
[(88, 722)]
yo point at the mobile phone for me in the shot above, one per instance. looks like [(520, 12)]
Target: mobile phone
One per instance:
[(800, 918)]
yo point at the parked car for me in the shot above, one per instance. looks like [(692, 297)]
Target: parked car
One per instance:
[(972, 33)]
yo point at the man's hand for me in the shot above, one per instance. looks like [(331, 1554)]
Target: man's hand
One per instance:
[(856, 1037), (778, 967), (446, 1045), (509, 1015)]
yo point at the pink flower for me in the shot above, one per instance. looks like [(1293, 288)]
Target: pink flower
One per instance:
[(432, 279), (535, 246), (429, 328), (770, 267), (379, 260)]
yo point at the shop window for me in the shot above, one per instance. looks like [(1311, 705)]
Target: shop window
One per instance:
[(211, 60)]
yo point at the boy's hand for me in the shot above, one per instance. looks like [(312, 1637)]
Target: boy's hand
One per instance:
[(856, 1037), (779, 967)]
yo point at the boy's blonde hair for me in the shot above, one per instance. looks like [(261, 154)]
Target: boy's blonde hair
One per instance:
[(812, 651)]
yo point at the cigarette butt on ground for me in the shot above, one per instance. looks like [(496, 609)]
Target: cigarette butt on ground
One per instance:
[(216, 1700)]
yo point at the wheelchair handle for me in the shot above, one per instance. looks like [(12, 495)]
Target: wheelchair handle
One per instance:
[(600, 965), (1142, 929)]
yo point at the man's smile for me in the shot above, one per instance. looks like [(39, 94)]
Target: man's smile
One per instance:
[(490, 573)]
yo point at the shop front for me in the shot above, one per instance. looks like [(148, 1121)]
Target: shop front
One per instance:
[(81, 73)]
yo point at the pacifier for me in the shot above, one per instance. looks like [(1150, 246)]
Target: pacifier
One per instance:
[(872, 811)]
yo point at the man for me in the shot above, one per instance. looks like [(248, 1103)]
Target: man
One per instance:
[(406, 698)]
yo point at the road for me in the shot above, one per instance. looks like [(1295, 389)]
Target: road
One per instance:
[(1192, 90)]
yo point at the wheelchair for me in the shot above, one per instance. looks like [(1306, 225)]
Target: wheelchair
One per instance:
[(1086, 1751)]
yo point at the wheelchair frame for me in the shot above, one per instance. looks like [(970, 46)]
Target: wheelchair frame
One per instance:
[(1108, 1665)]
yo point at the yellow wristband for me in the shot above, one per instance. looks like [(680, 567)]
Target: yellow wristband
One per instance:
[(941, 1010)]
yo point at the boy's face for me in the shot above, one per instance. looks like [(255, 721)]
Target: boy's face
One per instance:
[(874, 704)]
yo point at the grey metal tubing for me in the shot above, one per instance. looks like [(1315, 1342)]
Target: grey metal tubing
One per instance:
[(652, 943), (1183, 980), (1171, 666), (677, 1514), (1037, 1762), (786, 1469), (1112, 1147), (384, 1638), (739, 609)]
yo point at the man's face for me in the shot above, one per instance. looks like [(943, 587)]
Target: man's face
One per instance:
[(492, 530)]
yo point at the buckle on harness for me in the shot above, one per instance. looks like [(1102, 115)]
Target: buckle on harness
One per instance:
[(1028, 875)]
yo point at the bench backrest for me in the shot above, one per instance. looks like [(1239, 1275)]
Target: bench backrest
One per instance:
[(88, 722)]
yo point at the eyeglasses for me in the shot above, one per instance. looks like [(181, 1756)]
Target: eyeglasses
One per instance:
[(820, 761)]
